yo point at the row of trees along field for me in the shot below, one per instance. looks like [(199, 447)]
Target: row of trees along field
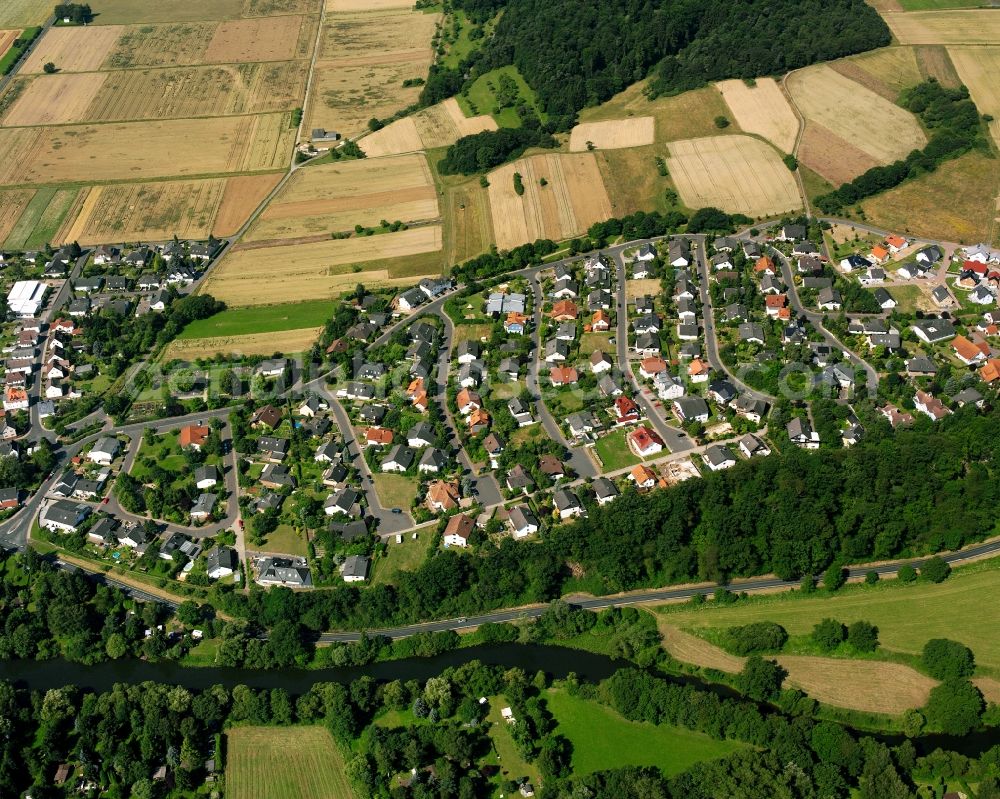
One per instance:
[(955, 128), (121, 737)]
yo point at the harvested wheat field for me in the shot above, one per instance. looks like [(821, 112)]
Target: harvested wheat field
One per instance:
[(175, 45), (74, 49), (12, 205), (315, 270), (400, 136), (612, 134), (147, 211), (438, 126), (363, 60), (469, 231), (762, 109), (344, 98), (188, 92), (573, 198), (935, 63), (738, 174), (830, 156), (871, 123), (444, 124), (336, 197), (891, 69), (286, 341), (23, 13), (259, 39), (7, 38), (240, 198), (979, 69), (55, 99), (957, 26), (135, 150)]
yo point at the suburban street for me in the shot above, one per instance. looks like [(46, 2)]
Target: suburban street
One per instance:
[(675, 438), (711, 337), (484, 486), (579, 461), (816, 319), (387, 522)]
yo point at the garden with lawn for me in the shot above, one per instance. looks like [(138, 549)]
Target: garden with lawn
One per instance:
[(614, 452)]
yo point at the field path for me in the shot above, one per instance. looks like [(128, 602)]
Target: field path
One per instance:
[(798, 142)]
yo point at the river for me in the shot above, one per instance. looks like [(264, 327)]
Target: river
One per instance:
[(557, 661)]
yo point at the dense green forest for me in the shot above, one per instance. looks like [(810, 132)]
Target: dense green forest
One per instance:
[(955, 128), (576, 53), (120, 738)]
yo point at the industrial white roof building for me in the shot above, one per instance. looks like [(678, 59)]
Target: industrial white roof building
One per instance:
[(26, 297)]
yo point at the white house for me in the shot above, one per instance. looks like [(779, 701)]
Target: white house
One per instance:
[(105, 450)]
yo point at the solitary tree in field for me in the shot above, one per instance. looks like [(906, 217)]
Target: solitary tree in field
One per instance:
[(49, 68)]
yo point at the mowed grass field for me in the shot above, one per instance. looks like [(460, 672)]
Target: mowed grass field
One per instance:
[(337, 196), (7, 39), (112, 12), (762, 109), (869, 685), (365, 55), (264, 319), (42, 219), (602, 739), (291, 273), (958, 27), (907, 616), (956, 202), (871, 123), (572, 199), (738, 174), (284, 763)]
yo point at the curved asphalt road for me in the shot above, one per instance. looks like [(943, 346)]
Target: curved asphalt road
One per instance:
[(986, 549)]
